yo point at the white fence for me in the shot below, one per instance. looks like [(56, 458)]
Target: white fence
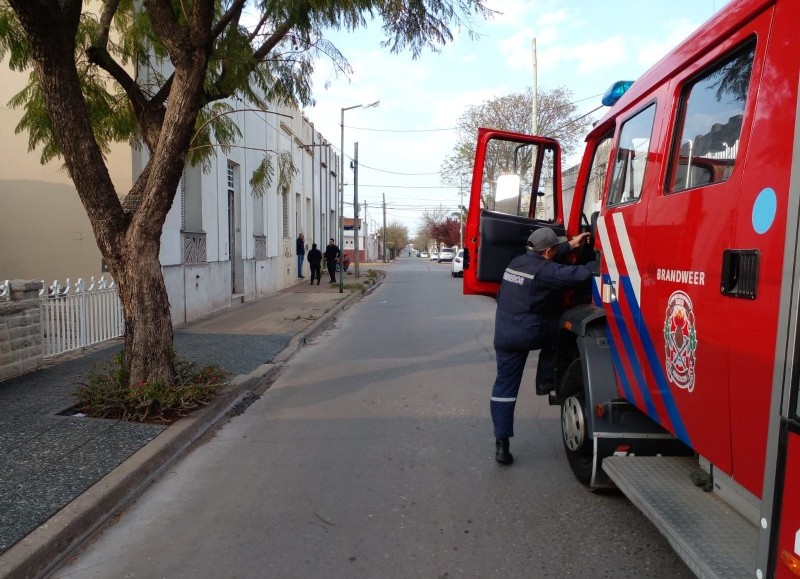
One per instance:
[(76, 316)]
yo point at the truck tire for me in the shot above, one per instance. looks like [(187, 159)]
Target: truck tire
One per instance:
[(574, 424)]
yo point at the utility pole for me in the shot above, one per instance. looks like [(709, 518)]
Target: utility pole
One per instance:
[(384, 227), (535, 96), (313, 197), (356, 228), (366, 234)]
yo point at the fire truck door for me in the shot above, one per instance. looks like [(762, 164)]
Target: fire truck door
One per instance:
[(698, 272), (515, 190), (656, 257)]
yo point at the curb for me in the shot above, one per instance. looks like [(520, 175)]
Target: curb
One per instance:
[(44, 548)]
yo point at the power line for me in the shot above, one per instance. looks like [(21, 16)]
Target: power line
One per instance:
[(412, 186), (594, 96), (363, 166), (579, 118), (401, 130)]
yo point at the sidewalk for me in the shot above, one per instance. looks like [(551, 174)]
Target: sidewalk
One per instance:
[(62, 476)]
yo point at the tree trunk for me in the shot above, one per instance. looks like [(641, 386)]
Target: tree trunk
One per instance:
[(148, 355), (130, 242)]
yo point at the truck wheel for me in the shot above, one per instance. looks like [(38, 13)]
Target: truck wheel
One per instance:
[(575, 425)]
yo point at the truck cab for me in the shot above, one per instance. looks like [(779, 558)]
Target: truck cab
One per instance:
[(677, 372)]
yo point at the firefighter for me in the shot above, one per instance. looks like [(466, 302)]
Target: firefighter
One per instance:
[(528, 308)]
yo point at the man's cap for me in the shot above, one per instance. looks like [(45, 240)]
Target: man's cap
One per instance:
[(544, 238)]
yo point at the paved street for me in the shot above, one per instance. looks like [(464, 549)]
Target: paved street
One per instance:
[(371, 456)]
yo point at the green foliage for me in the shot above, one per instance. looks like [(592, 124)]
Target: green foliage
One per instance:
[(264, 174), (359, 287), (108, 109), (286, 171), (107, 393), (13, 44), (153, 74), (214, 125), (271, 61), (371, 279), (262, 177)]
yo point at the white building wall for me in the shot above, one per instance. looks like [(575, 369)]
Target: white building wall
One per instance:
[(198, 289), (61, 243)]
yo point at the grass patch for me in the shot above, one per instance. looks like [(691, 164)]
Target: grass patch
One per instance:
[(355, 286), (107, 394)]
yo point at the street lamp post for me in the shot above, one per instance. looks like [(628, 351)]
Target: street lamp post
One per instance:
[(341, 189)]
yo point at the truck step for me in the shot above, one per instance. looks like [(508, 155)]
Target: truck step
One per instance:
[(712, 538)]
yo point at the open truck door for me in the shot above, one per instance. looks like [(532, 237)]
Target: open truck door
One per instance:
[(516, 188)]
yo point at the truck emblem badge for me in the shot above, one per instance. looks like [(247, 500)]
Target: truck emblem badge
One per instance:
[(680, 341)]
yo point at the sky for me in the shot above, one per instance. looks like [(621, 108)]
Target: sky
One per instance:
[(583, 45)]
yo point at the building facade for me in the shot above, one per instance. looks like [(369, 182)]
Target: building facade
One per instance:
[(368, 242), (221, 242)]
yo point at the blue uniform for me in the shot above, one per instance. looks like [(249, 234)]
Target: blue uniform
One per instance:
[(528, 309)]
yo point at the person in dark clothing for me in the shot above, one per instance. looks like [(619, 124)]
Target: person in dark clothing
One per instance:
[(528, 310), (332, 255), (301, 253), (315, 263)]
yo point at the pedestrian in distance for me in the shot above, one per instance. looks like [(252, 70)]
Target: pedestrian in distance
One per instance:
[(332, 255), (528, 310), (315, 263), (301, 253)]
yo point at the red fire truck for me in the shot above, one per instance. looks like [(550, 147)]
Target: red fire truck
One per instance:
[(678, 369)]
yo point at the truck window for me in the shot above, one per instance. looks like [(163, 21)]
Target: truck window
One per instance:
[(710, 122), (631, 160), (511, 184), (597, 178)]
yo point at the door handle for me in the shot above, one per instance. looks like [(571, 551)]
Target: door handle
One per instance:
[(740, 273)]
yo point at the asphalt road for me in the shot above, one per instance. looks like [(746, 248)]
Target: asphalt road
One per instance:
[(372, 457)]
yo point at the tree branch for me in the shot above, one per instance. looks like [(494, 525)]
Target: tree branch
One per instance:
[(166, 26), (280, 33), (235, 10), (105, 23)]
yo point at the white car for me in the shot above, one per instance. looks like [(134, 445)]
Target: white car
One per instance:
[(434, 255), (423, 254), (447, 254), (457, 265)]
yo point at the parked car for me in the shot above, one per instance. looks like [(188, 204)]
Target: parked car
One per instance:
[(423, 254), (447, 254), (457, 265), (434, 255)]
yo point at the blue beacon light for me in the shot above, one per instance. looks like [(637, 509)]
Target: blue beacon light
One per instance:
[(615, 92)]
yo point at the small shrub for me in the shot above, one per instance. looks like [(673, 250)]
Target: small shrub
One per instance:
[(107, 393), (354, 286)]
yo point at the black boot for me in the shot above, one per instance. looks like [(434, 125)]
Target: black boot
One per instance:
[(503, 455)]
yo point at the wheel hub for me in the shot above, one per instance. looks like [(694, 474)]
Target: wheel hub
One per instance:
[(573, 423)]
